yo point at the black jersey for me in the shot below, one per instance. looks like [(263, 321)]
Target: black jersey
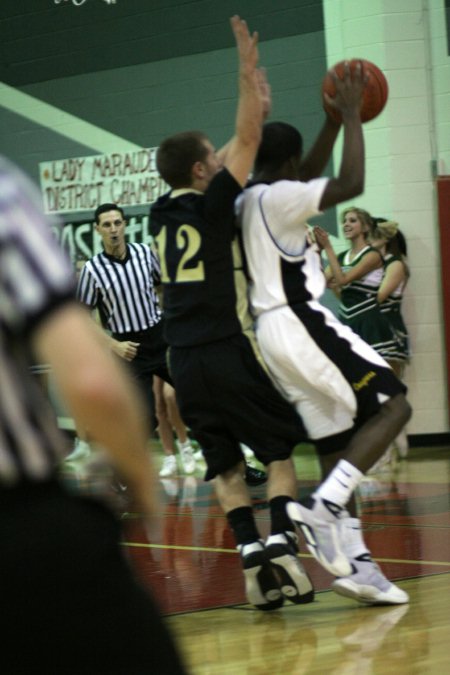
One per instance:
[(193, 232)]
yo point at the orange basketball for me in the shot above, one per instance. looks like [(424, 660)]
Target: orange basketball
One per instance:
[(375, 92)]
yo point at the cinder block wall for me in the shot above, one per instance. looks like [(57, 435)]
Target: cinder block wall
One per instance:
[(405, 145)]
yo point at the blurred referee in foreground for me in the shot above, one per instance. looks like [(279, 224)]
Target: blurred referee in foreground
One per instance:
[(70, 603)]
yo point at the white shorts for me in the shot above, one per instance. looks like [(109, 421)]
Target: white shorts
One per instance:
[(326, 371)]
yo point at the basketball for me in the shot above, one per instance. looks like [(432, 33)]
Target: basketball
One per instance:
[(375, 92)]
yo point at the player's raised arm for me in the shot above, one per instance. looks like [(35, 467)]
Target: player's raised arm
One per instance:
[(350, 181), (241, 150)]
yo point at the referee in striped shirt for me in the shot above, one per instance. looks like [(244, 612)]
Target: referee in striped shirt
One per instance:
[(70, 602), (120, 282)]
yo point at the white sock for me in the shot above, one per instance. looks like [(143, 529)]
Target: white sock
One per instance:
[(340, 484), (245, 549), (186, 445), (352, 540)]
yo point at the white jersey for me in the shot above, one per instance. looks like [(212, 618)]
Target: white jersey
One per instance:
[(324, 369), (276, 239)]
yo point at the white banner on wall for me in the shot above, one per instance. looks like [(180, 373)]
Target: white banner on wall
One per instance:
[(83, 183)]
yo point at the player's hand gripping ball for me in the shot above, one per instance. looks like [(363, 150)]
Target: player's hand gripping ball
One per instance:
[(375, 92)]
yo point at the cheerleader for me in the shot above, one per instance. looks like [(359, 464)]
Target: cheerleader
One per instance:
[(391, 243), (355, 276)]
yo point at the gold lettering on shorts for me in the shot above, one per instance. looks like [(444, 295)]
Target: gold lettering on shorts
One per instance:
[(364, 381)]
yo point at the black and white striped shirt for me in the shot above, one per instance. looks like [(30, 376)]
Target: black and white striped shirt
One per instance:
[(123, 290), (35, 279)]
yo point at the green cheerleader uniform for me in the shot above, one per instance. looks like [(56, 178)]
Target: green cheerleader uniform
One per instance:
[(360, 310), (391, 309)]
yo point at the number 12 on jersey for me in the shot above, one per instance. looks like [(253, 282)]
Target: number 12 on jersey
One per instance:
[(188, 242)]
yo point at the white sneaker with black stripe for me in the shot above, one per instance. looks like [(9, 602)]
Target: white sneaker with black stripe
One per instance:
[(368, 585), (318, 521)]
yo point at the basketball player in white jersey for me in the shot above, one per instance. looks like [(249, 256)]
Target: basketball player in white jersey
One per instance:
[(350, 401)]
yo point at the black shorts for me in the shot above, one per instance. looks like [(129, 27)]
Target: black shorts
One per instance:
[(151, 357), (150, 360), (225, 398), (70, 601)]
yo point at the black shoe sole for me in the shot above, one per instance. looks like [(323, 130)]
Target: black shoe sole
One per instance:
[(292, 595), (289, 587), (265, 580)]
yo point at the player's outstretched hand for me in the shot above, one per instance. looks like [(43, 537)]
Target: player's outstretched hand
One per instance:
[(349, 90), (247, 44)]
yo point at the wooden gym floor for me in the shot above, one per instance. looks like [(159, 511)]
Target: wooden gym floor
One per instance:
[(193, 569)]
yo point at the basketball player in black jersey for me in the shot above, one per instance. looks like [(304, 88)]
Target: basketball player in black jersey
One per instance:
[(224, 394)]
